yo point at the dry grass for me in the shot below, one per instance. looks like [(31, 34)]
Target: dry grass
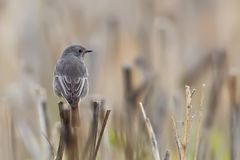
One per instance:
[(182, 144), (162, 45)]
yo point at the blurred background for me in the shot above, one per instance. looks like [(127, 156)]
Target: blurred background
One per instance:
[(163, 45)]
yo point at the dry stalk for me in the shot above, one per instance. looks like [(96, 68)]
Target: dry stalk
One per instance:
[(69, 137), (234, 123), (94, 132), (72, 146), (7, 135), (101, 133), (177, 138), (64, 114), (151, 134), (200, 119), (44, 122), (131, 101), (182, 145), (187, 124), (60, 150)]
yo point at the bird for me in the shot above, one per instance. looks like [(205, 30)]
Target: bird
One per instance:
[(70, 77)]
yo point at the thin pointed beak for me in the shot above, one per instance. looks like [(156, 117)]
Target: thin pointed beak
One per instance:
[(87, 51)]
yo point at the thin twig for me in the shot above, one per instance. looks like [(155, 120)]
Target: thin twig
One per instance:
[(200, 119), (177, 138), (60, 148), (105, 154), (44, 122), (101, 132), (51, 145), (151, 134), (187, 125), (30, 142), (182, 145)]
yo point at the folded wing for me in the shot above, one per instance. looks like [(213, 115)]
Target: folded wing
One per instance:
[(72, 89)]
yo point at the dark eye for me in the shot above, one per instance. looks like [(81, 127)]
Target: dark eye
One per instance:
[(80, 51)]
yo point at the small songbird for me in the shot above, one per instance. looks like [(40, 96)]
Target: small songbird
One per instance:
[(70, 79)]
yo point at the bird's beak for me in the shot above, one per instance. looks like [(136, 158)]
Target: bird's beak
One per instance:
[(87, 51)]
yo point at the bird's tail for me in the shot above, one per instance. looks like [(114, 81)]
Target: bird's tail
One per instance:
[(74, 105)]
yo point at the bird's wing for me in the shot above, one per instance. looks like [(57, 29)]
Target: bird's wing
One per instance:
[(71, 88)]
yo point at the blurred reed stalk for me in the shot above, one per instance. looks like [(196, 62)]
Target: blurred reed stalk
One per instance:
[(219, 60), (131, 103), (234, 122), (27, 134), (7, 134), (44, 123), (197, 71), (167, 155), (131, 96), (220, 68), (94, 139)]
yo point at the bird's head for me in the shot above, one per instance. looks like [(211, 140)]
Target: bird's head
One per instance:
[(76, 50)]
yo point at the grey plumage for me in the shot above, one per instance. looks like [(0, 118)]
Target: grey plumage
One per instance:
[(70, 75)]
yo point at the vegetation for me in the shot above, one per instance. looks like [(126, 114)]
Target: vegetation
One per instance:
[(163, 80)]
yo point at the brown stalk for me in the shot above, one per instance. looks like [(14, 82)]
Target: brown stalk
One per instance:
[(64, 114), (182, 145), (72, 144), (187, 125), (234, 123), (94, 132), (101, 132), (131, 101)]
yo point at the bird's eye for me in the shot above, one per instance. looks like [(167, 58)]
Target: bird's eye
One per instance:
[(80, 51)]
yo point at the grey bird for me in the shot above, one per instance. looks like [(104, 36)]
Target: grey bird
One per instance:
[(70, 79)]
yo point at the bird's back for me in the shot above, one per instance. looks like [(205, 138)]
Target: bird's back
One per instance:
[(70, 66), (70, 80)]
